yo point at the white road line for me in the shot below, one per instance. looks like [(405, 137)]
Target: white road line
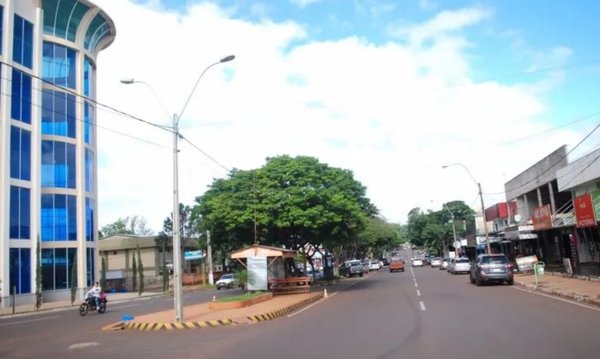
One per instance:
[(28, 321), (418, 293), (422, 305), (416, 285), (558, 298)]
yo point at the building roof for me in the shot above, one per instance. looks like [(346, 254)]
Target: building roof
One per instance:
[(258, 250)]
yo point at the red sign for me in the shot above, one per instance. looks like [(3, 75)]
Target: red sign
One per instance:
[(584, 211), (542, 218)]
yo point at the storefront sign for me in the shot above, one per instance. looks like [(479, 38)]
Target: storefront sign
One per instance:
[(584, 211), (526, 263), (542, 218), (191, 255)]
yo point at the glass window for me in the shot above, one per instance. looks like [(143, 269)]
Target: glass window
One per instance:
[(59, 217), (58, 164), (59, 65), (58, 113), (89, 260), (62, 17), (20, 206), (90, 205), (88, 123), (20, 270), (23, 42), (47, 269), (89, 171), (20, 153), (21, 97), (57, 264), (60, 268), (97, 31), (88, 77), (1, 26)]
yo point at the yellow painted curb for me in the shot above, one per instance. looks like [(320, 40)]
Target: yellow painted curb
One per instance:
[(132, 325)]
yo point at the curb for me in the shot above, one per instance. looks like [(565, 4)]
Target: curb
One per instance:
[(132, 325), (571, 296)]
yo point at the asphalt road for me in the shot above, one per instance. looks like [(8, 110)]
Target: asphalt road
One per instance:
[(386, 315)]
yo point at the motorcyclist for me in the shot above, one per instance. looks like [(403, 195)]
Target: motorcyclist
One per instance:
[(95, 293)]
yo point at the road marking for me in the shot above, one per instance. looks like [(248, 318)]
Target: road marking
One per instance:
[(422, 305), (558, 298), (416, 285), (28, 321), (418, 293), (83, 345)]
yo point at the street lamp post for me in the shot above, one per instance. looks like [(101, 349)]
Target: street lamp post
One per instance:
[(487, 238), (177, 277)]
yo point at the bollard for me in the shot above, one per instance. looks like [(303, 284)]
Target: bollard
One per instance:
[(325, 293)]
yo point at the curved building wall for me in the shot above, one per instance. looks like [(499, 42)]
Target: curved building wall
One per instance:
[(48, 146)]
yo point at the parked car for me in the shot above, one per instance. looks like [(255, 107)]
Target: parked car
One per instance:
[(445, 263), (351, 268), (460, 265), (396, 264), (226, 281), (436, 262), (491, 268), (416, 262), (374, 265)]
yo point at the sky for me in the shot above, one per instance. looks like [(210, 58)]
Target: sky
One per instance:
[(391, 90)]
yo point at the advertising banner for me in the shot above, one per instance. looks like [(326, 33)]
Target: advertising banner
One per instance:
[(542, 218), (257, 273), (191, 255), (584, 211), (526, 263)]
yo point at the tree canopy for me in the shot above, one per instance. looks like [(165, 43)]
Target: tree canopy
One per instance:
[(290, 201)]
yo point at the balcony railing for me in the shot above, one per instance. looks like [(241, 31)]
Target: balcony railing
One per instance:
[(564, 216)]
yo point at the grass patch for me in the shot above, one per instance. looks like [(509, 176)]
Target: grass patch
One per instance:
[(236, 298)]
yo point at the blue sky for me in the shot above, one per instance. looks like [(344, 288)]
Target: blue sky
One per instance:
[(388, 89)]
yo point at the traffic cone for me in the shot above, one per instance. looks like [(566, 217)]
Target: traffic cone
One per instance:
[(325, 293)]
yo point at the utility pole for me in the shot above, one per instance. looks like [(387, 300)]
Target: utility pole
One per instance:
[(487, 238), (211, 280), (177, 284)]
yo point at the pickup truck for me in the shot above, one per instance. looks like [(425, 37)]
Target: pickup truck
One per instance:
[(352, 268)]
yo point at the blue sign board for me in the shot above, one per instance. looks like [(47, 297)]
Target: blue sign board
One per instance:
[(191, 255)]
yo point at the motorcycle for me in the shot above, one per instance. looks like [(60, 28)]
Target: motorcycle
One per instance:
[(90, 304)]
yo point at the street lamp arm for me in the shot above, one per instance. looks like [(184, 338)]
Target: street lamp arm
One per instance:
[(225, 59), (465, 168), (131, 81)]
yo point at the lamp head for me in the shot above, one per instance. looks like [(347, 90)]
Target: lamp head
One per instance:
[(227, 58), (445, 166), (127, 81)]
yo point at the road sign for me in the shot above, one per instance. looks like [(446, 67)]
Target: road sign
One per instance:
[(191, 255)]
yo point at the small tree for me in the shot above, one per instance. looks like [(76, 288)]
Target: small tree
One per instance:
[(74, 279), (140, 269), (38, 275), (133, 273), (103, 274)]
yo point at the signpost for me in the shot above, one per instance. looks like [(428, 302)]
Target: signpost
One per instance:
[(191, 255)]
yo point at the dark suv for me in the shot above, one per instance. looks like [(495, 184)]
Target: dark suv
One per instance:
[(352, 268), (491, 268)]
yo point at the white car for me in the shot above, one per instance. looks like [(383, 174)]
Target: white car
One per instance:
[(416, 262), (460, 265), (374, 265), (436, 262)]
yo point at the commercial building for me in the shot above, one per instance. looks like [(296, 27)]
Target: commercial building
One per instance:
[(48, 149)]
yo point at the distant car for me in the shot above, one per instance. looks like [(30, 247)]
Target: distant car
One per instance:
[(491, 268), (351, 268), (374, 265), (436, 262), (226, 281), (416, 262), (396, 264), (460, 265), (445, 263)]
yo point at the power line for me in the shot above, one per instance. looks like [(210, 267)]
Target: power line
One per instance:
[(204, 153)]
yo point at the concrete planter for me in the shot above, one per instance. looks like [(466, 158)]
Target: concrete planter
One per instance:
[(240, 303)]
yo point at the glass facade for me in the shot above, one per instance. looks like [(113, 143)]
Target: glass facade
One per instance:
[(20, 153), (56, 267), (59, 217), (98, 30), (59, 65), (20, 270), (62, 17), (89, 171), (20, 104), (1, 26), (88, 77), (20, 212), (88, 125), (58, 164), (23, 42), (90, 269), (58, 113)]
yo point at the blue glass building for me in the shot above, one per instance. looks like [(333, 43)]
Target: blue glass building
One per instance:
[(48, 52)]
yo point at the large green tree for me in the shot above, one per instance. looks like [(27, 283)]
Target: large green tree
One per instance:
[(291, 201)]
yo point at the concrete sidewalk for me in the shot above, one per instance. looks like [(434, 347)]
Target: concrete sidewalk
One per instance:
[(581, 290), (66, 304)]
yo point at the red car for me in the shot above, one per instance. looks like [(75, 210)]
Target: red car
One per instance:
[(396, 264)]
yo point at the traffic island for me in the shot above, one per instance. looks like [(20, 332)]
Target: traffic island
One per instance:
[(234, 304), (200, 316)]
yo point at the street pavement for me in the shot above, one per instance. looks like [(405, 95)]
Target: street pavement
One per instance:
[(421, 313)]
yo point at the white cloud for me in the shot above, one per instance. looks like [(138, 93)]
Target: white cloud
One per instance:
[(444, 23), (304, 3), (391, 113)]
